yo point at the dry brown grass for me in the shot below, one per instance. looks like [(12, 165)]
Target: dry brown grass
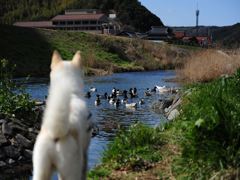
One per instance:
[(208, 65)]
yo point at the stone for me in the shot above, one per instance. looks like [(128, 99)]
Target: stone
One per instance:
[(28, 153), (2, 121), (3, 140), (173, 114), (6, 129), (11, 152), (11, 161), (174, 106), (20, 158), (22, 141), (2, 154), (2, 164)]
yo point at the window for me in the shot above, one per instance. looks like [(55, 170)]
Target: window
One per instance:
[(62, 22), (70, 22), (55, 22), (78, 22), (85, 22), (93, 22)]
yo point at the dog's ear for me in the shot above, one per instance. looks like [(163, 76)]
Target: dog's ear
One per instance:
[(77, 60), (56, 58)]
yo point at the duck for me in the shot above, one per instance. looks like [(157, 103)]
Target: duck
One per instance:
[(93, 89), (147, 92), (105, 95), (135, 91), (119, 93), (88, 94), (131, 105), (97, 101), (117, 102), (124, 100), (114, 90), (112, 100), (162, 89), (141, 102), (154, 89)]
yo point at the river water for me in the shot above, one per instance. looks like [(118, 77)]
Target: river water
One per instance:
[(106, 116)]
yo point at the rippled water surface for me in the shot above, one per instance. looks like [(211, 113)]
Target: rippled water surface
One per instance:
[(107, 117)]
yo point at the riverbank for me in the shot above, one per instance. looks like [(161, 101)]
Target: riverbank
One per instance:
[(31, 50), (203, 142)]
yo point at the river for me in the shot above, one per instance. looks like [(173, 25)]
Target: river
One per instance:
[(106, 116)]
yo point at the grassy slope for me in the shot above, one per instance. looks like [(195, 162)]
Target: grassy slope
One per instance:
[(30, 50)]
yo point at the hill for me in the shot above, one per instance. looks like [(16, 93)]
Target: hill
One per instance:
[(131, 14), (227, 36), (31, 49)]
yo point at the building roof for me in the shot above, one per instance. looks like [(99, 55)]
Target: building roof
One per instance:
[(69, 17), (36, 24)]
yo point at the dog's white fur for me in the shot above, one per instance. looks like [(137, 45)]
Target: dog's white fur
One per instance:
[(65, 134)]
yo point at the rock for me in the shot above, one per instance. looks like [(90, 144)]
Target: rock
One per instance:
[(2, 116), (173, 114), (6, 129), (20, 158), (22, 141), (174, 106), (18, 129), (2, 164), (2, 154), (2, 121), (11, 161), (28, 153), (161, 105), (165, 103), (3, 140), (11, 152)]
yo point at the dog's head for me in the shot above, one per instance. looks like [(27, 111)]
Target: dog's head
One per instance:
[(57, 61), (67, 71)]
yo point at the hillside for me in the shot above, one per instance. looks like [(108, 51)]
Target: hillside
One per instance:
[(31, 49), (132, 15), (228, 36)]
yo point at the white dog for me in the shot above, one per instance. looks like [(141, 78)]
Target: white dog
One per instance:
[(63, 141)]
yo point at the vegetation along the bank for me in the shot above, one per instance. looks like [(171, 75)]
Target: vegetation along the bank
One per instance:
[(202, 143), (31, 50), (19, 124)]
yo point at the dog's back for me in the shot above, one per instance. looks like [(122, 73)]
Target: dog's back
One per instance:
[(64, 138)]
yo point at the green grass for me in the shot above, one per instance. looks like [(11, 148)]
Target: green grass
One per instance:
[(210, 129), (133, 149)]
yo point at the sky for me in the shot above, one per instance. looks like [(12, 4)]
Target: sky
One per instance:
[(182, 12)]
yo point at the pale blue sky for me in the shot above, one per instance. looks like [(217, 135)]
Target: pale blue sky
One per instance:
[(182, 12)]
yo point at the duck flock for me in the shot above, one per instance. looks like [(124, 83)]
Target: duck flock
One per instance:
[(128, 98)]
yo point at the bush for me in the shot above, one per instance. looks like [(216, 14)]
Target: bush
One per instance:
[(13, 100), (211, 125)]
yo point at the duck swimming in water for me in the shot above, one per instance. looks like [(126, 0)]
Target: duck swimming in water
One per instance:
[(97, 101)]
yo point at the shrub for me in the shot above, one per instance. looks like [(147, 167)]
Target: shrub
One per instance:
[(13, 100), (211, 125)]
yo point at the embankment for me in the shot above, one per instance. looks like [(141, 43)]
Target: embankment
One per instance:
[(31, 49)]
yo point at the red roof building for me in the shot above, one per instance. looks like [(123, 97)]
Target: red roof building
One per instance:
[(74, 20)]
